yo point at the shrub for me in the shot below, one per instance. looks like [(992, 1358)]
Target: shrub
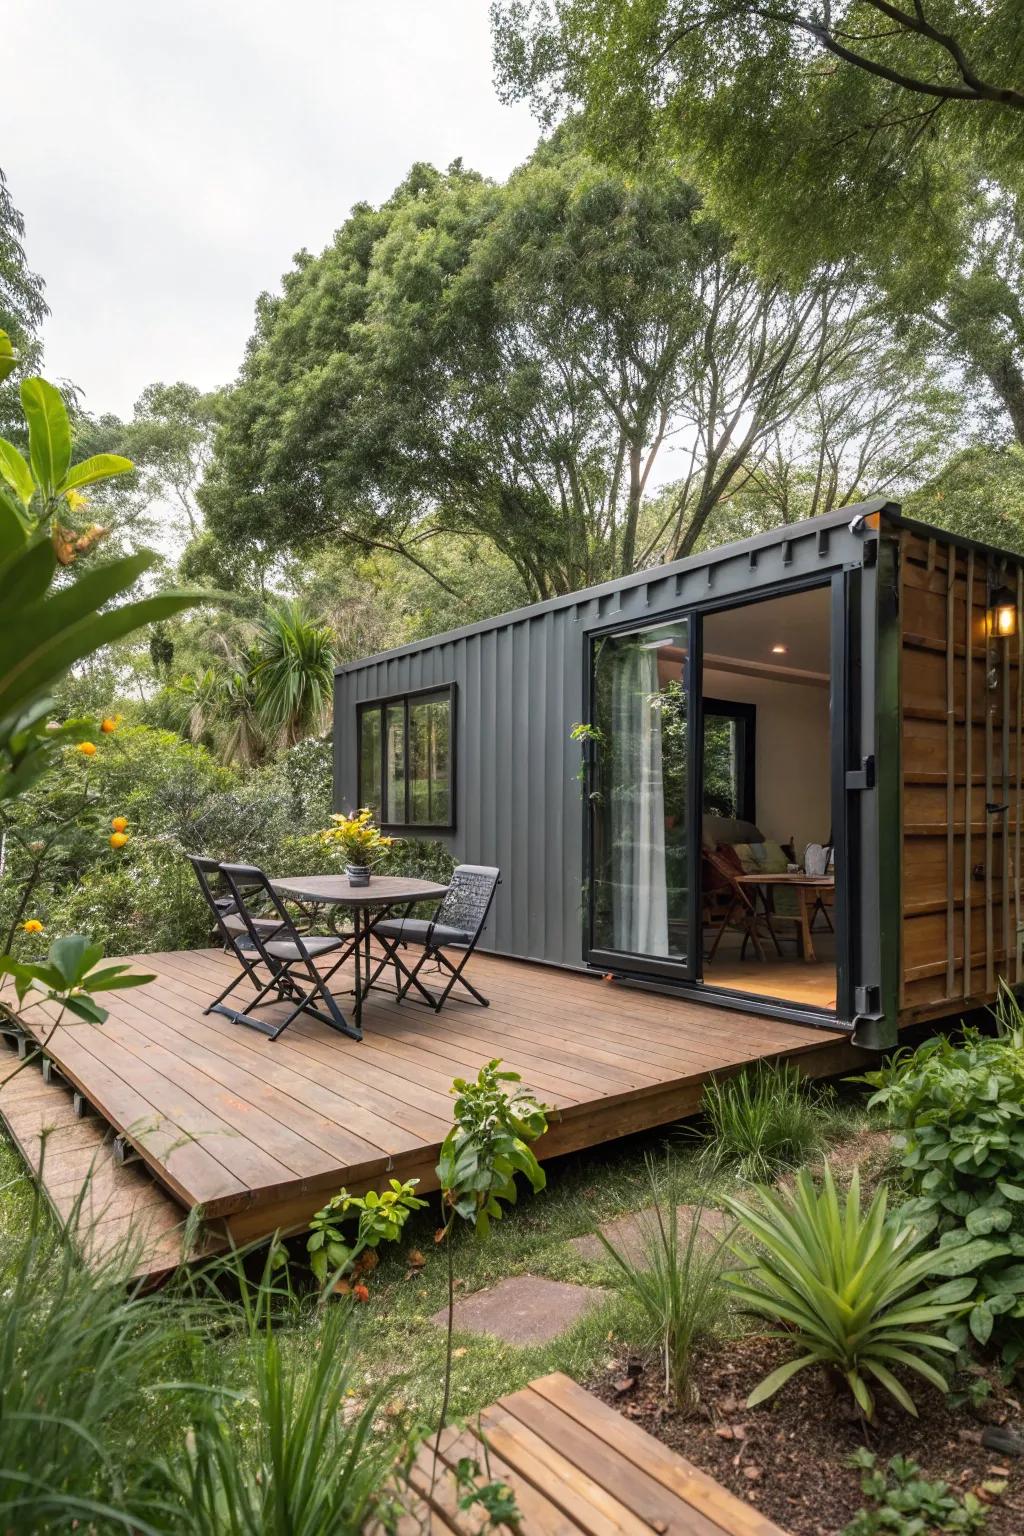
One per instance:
[(678, 1285), (901, 1500), (845, 1287), (958, 1109), (763, 1120), (146, 902)]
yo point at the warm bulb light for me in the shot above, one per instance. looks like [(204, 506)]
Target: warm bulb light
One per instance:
[(1002, 614), (779, 650)]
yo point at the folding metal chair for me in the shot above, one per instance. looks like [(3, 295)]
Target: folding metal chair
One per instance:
[(287, 955), (230, 925), (456, 924)]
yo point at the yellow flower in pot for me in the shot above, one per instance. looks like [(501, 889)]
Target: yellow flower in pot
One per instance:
[(361, 841)]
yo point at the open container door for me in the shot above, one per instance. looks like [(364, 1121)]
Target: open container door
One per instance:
[(641, 794)]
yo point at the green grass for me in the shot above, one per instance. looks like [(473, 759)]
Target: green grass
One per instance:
[(394, 1369)]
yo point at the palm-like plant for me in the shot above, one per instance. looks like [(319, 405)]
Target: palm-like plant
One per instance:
[(846, 1286), (294, 673)]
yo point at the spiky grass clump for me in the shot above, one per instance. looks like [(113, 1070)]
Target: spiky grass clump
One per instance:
[(676, 1280), (763, 1121)]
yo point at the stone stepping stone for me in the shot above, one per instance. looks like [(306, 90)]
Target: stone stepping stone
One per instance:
[(523, 1310), (629, 1234)]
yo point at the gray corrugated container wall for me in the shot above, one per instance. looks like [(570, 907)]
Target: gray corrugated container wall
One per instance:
[(519, 682)]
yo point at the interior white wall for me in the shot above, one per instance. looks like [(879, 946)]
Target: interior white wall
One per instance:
[(793, 759)]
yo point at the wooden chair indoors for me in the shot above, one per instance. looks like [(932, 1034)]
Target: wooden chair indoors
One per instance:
[(726, 904)]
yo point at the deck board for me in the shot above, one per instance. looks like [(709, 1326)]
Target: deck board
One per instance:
[(575, 1466), (258, 1132), (112, 1210)]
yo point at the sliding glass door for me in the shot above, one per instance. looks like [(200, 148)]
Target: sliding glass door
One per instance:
[(640, 763)]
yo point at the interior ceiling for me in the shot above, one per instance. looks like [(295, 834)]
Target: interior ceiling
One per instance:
[(799, 621)]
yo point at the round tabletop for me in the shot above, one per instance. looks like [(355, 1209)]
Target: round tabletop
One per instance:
[(338, 890)]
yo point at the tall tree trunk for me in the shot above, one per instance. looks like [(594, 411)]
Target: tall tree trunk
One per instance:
[(1006, 376)]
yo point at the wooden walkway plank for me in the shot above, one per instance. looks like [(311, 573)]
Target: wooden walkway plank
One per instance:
[(604, 1462), (577, 1468), (113, 1206), (540, 1517), (686, 1481), (557, 1478)]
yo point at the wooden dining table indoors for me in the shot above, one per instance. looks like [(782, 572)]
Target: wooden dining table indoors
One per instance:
[(810, 891), (384, 896)]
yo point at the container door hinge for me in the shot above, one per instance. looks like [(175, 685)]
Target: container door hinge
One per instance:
[(862, 777)]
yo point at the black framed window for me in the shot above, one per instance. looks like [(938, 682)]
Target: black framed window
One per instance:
[(406, 758), (730, 756)]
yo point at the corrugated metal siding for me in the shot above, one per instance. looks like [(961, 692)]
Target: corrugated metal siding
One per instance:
[(520, 687)]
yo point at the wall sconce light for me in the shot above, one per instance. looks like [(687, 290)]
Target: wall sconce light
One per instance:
[(1002, 613)]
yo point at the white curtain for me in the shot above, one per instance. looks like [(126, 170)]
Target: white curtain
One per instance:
[(637, 819)]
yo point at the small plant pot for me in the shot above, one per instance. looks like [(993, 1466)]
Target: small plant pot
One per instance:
[(358, 874)]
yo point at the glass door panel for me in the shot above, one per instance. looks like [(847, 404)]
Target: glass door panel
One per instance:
[(640, 796)]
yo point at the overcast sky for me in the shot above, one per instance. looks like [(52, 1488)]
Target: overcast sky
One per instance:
[(170, 158)]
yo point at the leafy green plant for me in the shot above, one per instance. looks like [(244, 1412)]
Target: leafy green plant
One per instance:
[(678, 1284), (380, 1217), (957, 1107), (69, 977), (587, 736), (493, 1499), (296, 1459), (901, 1501), (294, 672), (762, 1120), (80, 1351), (43, 633), (488, 1144), (846, 1287)]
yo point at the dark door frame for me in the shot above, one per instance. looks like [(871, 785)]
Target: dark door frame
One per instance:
[(843, 714), (619, 961)]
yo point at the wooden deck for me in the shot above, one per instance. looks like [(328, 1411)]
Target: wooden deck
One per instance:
[(576, 1468), (258, 1133), (113, 1211)]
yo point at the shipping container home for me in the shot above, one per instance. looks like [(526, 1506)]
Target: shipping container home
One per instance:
[(784, 775)]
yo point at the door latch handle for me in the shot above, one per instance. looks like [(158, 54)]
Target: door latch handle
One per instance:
[(862, 777)]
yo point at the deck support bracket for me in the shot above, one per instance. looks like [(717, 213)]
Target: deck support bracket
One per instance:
[(124, 1152)]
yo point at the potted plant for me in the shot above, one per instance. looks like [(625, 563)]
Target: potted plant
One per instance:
[(361, 842)]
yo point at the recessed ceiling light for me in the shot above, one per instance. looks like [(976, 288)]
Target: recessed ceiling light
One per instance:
[(779, 650)]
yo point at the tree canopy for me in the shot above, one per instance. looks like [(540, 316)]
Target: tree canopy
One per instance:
[(516, 361), (813, 130), (22, 306)]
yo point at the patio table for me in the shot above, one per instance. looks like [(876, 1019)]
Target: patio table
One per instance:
[(369, 905)]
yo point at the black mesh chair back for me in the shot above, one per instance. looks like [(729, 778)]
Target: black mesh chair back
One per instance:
[(466, 905), (457, 923)]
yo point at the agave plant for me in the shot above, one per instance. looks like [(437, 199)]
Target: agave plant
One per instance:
[(846, 1286)]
